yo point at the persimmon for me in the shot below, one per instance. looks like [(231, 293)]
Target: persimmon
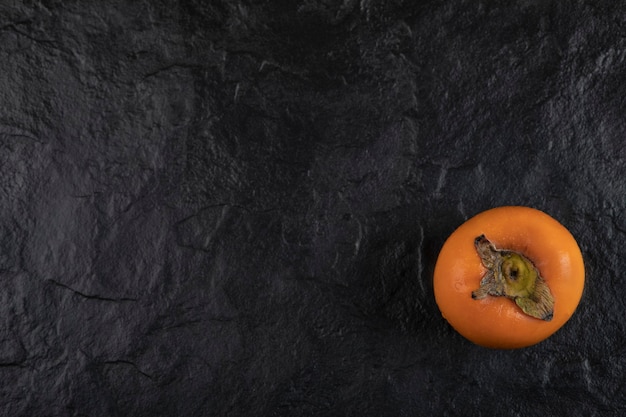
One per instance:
[(509, 277)]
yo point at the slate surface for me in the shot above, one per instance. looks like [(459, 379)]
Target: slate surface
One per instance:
[(233, 208)]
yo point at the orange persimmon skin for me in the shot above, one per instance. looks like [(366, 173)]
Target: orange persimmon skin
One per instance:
[(497, 322)]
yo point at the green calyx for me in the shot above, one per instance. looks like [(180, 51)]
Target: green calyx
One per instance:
[(510, 274)]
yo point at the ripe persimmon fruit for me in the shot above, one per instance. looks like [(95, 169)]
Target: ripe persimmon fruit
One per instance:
[(509, 277)]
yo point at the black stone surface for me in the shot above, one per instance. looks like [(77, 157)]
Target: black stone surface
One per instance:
[(233, 208)]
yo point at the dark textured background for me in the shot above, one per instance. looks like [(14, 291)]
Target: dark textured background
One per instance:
[(233, 208)]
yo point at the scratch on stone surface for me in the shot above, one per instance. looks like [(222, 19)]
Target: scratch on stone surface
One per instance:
[(132, 364), (587, 373), (13, 27), (182, 65), (13, 365), (189, 323), (336, 260), (17, 132), (90, 296), (85, 196), (202, 209), (420, 264), (236, 93), (461, 209), (270, 65), (545, 375), (217, 224), (357, 243), (16, 23), (441, 180)]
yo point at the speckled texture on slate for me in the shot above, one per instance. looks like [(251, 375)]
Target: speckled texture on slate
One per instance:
[(233, 208)]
